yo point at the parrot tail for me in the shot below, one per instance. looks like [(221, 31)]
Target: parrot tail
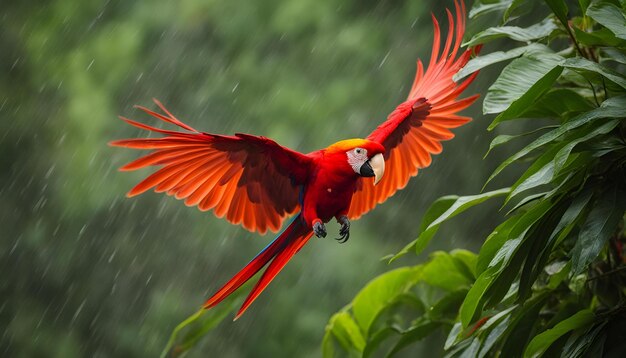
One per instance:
[(281, 250)]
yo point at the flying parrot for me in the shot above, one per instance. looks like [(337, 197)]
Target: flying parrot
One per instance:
[(253, 181)]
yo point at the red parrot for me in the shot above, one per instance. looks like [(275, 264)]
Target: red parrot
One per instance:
[(255, 182)]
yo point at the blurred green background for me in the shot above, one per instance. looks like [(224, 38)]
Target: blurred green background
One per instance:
[(87, 272)]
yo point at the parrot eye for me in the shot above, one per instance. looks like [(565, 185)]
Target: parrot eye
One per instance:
[(356, 158)]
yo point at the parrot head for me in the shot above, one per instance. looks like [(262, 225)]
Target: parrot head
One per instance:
[(364, 157)]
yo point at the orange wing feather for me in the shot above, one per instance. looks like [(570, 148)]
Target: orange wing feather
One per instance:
[(415, 129), (250, 180)]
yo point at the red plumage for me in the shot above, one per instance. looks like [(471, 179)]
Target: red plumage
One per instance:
[(253, 181)]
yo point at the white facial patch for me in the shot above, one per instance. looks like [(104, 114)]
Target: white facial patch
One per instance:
[(356, 158)]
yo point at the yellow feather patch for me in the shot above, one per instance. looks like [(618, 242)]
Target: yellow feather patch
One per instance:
[(347, 144)]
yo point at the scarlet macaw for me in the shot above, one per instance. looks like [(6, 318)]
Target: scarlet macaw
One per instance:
[(255, 182)]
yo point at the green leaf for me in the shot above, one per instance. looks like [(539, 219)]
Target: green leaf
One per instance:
[(494, 242), (494, 257), (601, 223), (503, 138), (523, 322), (191, 330), (458, 205), (416, 333), (578, 345), (495, 334), (328, 344), (542, 342), (534, 32), (536, 245), (572, 176), (495, 319), (473, 303), (472, 350), (489, 59), (559, 8), (468, 259), (528, 199), (514, 227), (584, 4), (514, 9), (613, 54), (539, 173), (610, 16), (558, 272), (518, 77), (582, 64), (503, 286), (529, 98), (558, 103), (481, 8), (540, 177), (453, 336), (561, 157), (447, 306), (434, 211), (544, 171), (377, 338), (605, 146), (342, 328), (454, 278), (381, 292), (571, 216), (568, 221), (441, 210), (612, 107), (600, 37)]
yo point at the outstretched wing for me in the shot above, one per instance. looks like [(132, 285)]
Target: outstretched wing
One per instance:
[(250, 180), (415, 129)]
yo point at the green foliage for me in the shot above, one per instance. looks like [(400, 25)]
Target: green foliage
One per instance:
[(550, 280), (541, 342), (610, 16), (443, 209), (191, 330), (537, 31), (380, 311)]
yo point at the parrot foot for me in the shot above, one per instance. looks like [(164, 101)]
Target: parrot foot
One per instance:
[(345, 229), (319, 229)]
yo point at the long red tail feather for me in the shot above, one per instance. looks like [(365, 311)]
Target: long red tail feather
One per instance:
[(293, 246), (281, 250)]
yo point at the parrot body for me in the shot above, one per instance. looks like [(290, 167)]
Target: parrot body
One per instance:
[(332, 182), (254, 181)]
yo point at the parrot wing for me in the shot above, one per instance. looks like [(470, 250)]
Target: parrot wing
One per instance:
[(415, 129), (250, 180)]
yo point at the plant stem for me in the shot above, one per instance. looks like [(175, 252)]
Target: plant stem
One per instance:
[(608, 273), (571, 35)]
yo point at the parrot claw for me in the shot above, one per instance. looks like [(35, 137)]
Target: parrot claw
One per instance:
[(319, 229), (345, 229), (343, 238)]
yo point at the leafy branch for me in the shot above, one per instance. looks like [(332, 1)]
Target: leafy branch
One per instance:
[(550, 280)]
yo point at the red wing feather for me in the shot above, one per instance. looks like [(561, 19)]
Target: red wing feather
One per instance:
[(414, 130), (235, 176)]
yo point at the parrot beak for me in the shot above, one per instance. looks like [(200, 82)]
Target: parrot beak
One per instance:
[(378, 166), (374, 167)]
